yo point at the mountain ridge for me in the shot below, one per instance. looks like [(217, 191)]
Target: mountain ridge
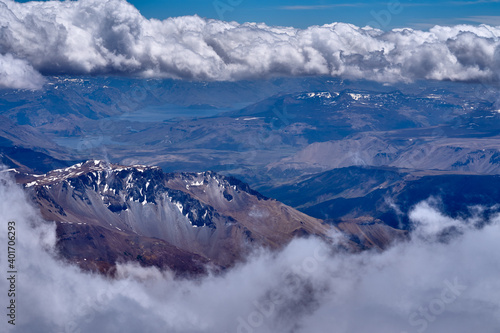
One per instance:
[(214, 217)]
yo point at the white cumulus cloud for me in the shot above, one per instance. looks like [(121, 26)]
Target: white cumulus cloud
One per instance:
[(18, 74), (112, 37), (421, 285)]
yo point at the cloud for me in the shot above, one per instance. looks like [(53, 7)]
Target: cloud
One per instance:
[(430, 283), (111, 37), (18, 74)]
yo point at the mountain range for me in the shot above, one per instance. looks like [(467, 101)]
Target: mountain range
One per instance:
[(294, 157)]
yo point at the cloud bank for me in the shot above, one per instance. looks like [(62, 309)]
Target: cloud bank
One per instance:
[(444, 280), (111, 37)]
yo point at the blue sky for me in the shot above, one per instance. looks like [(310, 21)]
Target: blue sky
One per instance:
[(420, 14), (302, 13)]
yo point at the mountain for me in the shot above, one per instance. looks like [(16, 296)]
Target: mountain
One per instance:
[(370, 233), (69, 105), (29, 160), (107, 213), (389, 194), (12, 134), (259, 131), (426, 149), (306, 132), (336, 114), (350, 156)]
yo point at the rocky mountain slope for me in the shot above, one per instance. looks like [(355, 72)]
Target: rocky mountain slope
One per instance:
[(107, 213)]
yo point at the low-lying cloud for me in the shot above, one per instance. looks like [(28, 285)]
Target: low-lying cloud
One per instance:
[(422, 285), (94, 37)]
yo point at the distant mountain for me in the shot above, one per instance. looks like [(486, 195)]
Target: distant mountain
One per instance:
[(260, 131), (29, 160), (66, 104), (388, 194), (299, 133), (336, 114), (424, 149), (14, 134)]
